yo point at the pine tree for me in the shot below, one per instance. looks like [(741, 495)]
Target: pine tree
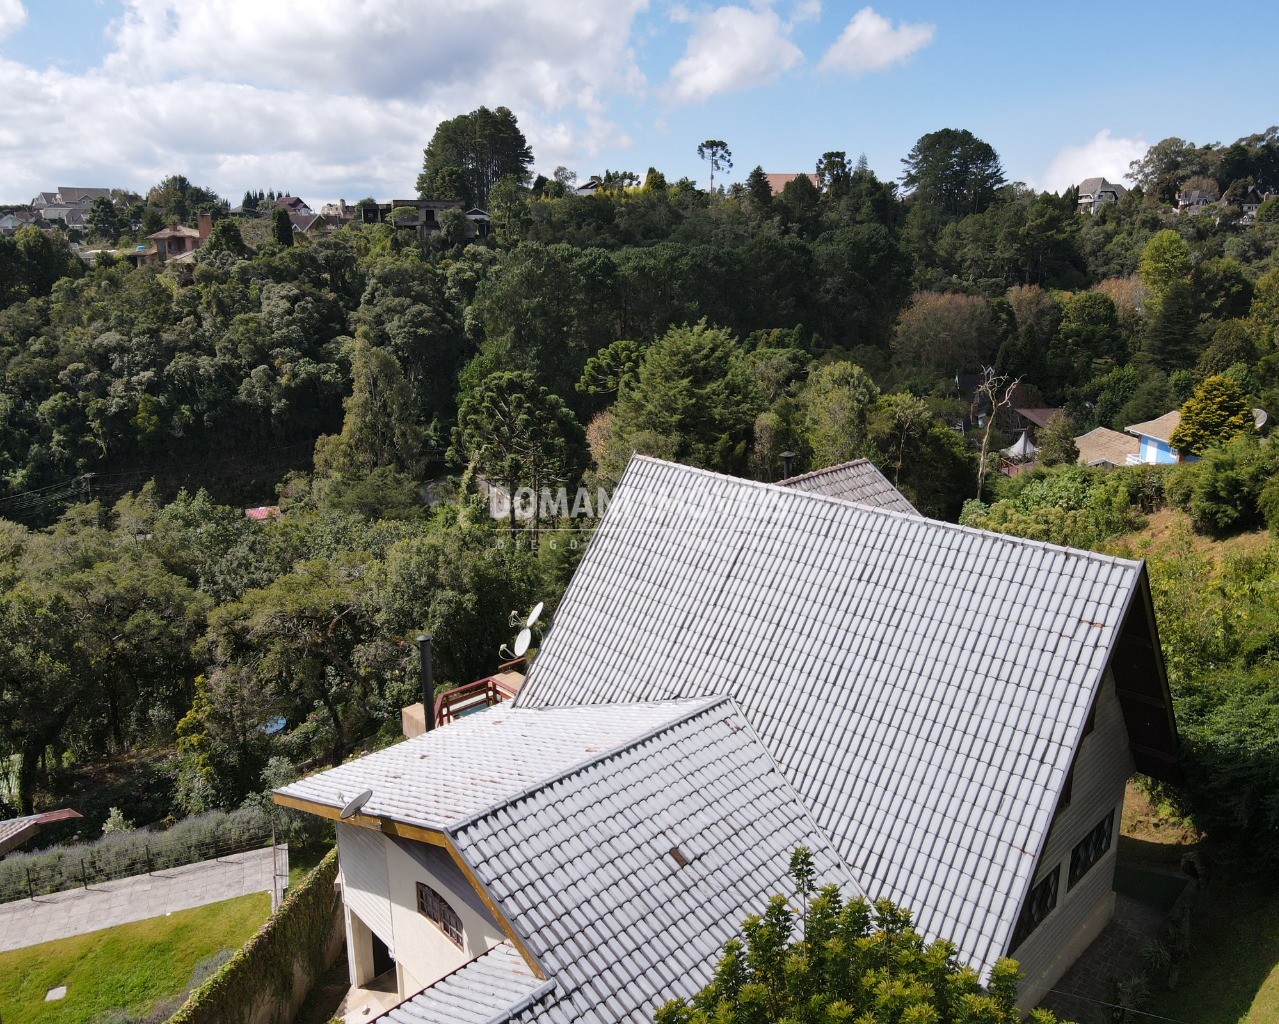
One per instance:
[(1215, 413)]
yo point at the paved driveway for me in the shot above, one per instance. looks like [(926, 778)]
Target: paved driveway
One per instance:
[(107, 904)]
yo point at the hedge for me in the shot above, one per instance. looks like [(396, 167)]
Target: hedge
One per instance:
[(138, 851), (262, 973)]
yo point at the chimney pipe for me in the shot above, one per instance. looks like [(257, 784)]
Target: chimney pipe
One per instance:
[(428, 680), (788, 465)]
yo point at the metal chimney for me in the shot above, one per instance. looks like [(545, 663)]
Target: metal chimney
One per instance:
[(428, 680), (788, 465)]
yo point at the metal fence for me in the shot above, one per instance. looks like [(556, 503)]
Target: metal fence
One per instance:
[(60, 869)]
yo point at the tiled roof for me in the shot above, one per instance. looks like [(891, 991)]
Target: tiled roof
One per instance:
[(1160, 429), (777, 182), (1103, 445), (627, 876), (923, 685), (496, 985), (16, 831), (1039, 417), (857, 481), (447, 776), (1092, 186)]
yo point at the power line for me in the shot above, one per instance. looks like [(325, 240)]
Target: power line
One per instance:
[(1116, 1006)]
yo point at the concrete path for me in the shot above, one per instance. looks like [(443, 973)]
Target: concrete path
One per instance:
[(107, 904)]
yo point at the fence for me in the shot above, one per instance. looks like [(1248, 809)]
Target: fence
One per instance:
[(125, 854)]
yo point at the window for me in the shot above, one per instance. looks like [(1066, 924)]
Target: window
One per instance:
[(1039, 904), (432, 905), (1090, 849)]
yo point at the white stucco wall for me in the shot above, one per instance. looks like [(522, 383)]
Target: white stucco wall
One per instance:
[(380, 875)]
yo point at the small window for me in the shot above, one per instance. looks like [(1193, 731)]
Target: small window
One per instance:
[(1090, 849), (432, 905), (1039, 904)]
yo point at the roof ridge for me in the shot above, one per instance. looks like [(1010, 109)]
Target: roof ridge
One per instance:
[(696, 706), (829, 469), (942, 524)]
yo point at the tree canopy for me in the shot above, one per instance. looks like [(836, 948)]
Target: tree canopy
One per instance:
[(471, 153)]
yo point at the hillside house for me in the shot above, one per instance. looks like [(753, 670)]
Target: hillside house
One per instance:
[(1108, 448), (176, 242), (1194, 200), (777, 182), (1095, 193), (947, 717), (1154, 441)]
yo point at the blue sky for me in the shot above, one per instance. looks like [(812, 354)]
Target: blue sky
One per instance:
[(334, 98)]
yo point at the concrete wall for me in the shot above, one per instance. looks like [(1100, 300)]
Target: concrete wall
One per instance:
[(1103, 766)]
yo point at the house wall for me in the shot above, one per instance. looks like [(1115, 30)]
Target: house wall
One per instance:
[(424, 953), (1103, 765), (379, 890), (1156, 452)]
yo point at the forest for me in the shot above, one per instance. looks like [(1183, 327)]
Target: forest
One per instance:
[(374, 383)]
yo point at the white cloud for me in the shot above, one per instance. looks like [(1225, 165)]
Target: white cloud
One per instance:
[(1102, 155), (733, 48), (870, 43), (12, 17), (325, 97), (806, 10)]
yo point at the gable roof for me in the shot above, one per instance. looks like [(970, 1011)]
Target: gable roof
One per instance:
[(1103, 446), (1160, 429), (1093, 186), (923, 685), (588, 869), (1038, 416), (622, 845), (856, 481)]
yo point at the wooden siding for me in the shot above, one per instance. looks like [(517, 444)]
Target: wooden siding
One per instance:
[(1103, 766)]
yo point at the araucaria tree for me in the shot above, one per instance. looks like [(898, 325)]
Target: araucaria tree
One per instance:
[(718, 155), (831, 959), (470, 153)]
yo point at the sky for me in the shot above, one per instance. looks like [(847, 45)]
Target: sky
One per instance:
[(336, 98)]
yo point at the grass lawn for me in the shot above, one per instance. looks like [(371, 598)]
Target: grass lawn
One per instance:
[(126, 968)]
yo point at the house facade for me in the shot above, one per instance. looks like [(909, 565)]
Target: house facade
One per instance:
[(1095, 193), (946, 715), (1155, 441)]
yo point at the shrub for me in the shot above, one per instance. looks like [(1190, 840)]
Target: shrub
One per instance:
[(1223, 492)]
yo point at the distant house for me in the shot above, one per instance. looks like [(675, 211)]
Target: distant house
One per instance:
[(1094, 193), (1107, 448), (946, 717), (1155, 441), (1194, 200), (68, 200), (338, 213), (176, 242), (262, 513), (422, 215), (588, 188), (857, 481), (307, 223), (1249, 203), (777, 182), (294, 205), (10, 222)]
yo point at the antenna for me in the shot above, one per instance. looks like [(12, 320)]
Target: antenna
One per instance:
[(534, 615), (354, 804)]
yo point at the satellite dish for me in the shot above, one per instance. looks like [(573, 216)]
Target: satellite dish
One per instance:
[(1260, 418), (534, 615), (522, 641), (354, 804)]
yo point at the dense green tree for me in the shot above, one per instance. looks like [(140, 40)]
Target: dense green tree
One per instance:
[(693, 401), (1171, 329), (1165, 260), (176, 198), (518, 434), (759, 190), (103, 219), (1216, 412), (382, 427), (945, 334), (952, 171), (612, 369), (836, 405), (832, 959), (481, 148), (1056, 442), (281, 226)]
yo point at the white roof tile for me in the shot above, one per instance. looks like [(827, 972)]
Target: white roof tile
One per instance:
[(449, 775), (495, 985), (872, 652), (858, 481)]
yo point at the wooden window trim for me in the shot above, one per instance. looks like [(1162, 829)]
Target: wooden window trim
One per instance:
[(435, 908)]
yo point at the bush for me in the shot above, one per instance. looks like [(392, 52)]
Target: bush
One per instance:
[(1223, 492)]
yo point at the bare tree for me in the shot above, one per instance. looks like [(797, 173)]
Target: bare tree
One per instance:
[(997, 392)]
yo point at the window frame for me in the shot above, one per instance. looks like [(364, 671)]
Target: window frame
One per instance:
[(436, 909), (1034, 912), (1095, 845)]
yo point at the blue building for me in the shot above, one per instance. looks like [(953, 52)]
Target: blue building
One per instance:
[(1156, 448)]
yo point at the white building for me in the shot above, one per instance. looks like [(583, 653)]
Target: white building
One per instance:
[(946, 716)]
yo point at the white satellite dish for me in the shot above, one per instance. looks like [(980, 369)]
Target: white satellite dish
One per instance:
[(354, 804), (522, 641), (534, 615)]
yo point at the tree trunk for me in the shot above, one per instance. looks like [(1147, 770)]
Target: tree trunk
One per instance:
[(27, 761)]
